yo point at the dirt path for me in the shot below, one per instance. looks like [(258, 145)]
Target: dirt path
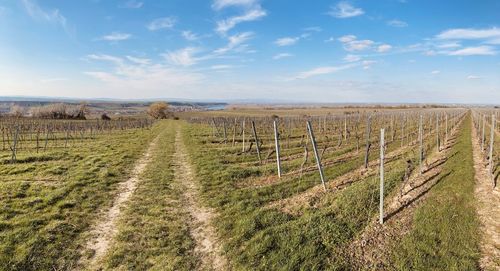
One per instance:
[(103, 233), (488, 203), (366, 251), (208, 249)]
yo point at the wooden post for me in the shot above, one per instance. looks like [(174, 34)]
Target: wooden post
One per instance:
[(225, 131), (243, 135), (256, 141), (368, 143), (437, 133), (381, 203), (277, 143), (483, 137), (421, 139), (492, 140), (446, 129), (318, 159), (345, 128), (234, 132)]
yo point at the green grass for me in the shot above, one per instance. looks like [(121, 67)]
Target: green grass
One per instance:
[(258, 238), (445, 235), (153, 232), (48, 199)]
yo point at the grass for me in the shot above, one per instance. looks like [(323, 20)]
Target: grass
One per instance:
[(48, 199), (153, 232), (445, 234), (258, 238)]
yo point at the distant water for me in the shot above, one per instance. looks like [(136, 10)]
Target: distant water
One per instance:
[(215, 107)]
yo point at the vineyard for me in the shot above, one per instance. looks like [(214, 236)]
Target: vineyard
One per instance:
[(370, 189)]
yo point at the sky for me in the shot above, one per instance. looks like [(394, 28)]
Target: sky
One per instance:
[(390, 51)]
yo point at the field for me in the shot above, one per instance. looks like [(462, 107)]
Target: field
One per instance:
[(254, 189)]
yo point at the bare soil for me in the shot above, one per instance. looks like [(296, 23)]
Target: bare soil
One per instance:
[(488, 203), (208, 248)]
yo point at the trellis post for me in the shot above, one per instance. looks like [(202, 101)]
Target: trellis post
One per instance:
[(318, 159)]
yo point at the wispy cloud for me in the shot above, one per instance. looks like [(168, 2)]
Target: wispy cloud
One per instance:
[(116, 36), (132, 4), (51, 16), (345, 10), (474, 51), (220, 4), (397, 23), (282, 55), (183, 57), (322, 71), (469, 34), (138, 60), (384, 48), (352, 58), (162, 23), (190, 36), (286, 41), (474, 77), (351, 43), (235, 42), (141, 76), (252, 14), (435, 72)]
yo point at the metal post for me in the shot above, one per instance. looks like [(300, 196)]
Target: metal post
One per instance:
[(381, 207), (256, 141), (421, 139), (318, 159), (243, 135), (276, 142), (492, 140)]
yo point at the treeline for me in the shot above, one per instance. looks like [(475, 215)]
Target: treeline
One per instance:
[(51, 111)]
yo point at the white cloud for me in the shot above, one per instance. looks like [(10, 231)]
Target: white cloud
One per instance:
[(190, 36), (183, 57), (471, 51), (469, 33), (384, 48), (473, 77), (140, 61), (352, 58), (234, 42), (286, 41), (116, 36), (435, 72), (36, 12), (133, 4), (448, 45), (358, 45), (282, 55), (107, 58), (347, 38), (220, 4), (250, 15), (345, 10), (322, 71), (162, 23), (397, 23)]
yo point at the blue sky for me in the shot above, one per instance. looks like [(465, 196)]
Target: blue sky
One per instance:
[(301, 51)]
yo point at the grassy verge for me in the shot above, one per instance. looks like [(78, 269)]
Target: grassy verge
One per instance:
[(152, 233), (445, 234), (48, 199)]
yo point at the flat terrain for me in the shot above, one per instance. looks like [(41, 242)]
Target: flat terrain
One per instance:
[(194, 194)]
